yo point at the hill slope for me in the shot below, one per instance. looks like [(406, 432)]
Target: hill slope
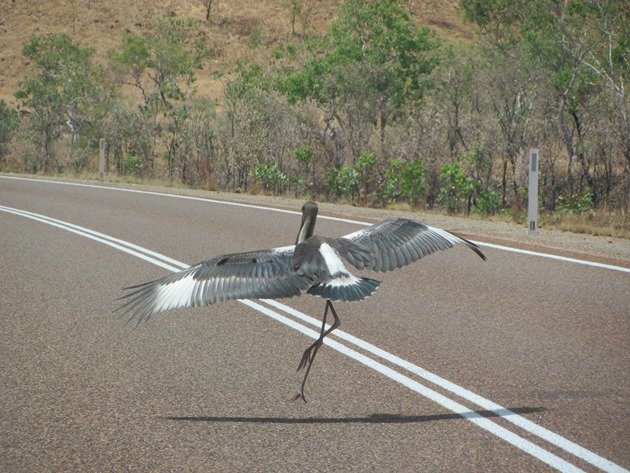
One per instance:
[(102, 23)]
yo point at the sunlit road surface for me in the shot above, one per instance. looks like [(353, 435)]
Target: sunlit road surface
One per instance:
[(516, 364)]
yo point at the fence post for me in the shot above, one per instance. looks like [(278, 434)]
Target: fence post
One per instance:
[(532, 205), (102, 159)]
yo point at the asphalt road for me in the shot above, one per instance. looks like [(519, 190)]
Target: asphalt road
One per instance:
[(207, 389)]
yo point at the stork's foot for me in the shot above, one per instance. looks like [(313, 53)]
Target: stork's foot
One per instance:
[(300, 396)]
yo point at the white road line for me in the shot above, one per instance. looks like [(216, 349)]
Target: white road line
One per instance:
[(337, 219), (453, 406), (486, 424), (531, 427), (556, 257), (92, 235)]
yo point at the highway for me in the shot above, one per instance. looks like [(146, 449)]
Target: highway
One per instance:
[(519, 363)]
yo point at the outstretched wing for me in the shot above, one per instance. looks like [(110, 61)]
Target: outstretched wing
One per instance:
[(396, 242), (256, 274)]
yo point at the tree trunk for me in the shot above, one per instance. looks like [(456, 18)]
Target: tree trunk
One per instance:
[(208, 6), (584, 164), (504, 182), (383, 125), (47, 151)]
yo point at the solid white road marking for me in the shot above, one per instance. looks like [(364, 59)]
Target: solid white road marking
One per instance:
[(337, 219), (460, 391), (444, 401), (126, 247)]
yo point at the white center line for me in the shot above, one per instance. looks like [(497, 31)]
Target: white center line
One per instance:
[(453, 406)]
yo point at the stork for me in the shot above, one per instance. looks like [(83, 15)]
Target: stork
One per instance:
[(313, 264)]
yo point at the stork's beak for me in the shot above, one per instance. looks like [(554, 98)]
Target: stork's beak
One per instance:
[(297, 240)]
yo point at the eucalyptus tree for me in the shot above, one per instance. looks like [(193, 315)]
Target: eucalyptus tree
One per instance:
[(582, 48), (8, 124), (369, 69), (62, 94), (161, 66)]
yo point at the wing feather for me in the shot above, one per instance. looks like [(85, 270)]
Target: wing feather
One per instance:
[(256, 274), (394, 243)]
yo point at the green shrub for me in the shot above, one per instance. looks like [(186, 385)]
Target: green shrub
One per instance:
[(577, 203), (403, 180), (270, 176), (31, 161), (412, 181), (366, 168), (455, 186), (366, 162), (389, 190), (8, 124), (298, 182), (59, 167), (304, 155), (342, 182), (487, 202), (132, 165)]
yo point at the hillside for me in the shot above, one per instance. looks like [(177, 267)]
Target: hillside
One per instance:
[(101, 24)]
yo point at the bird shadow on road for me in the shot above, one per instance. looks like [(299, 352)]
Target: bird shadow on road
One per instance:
[(370, 419)]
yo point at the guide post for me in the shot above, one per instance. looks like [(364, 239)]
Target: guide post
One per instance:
[(532, 206)]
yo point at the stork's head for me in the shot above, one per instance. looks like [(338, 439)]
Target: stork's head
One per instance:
[(309, 216), (310, 207)]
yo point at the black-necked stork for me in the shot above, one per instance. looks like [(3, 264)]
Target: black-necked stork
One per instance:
[(314, 264)]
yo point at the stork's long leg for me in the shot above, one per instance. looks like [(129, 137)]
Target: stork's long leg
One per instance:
[(307, 353), (311, 351)]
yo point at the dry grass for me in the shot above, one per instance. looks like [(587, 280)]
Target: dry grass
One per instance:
[(599, 222)]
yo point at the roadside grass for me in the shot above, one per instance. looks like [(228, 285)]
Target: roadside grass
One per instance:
[(600, 222)]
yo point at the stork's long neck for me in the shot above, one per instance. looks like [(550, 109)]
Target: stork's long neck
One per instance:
[(307, 227)]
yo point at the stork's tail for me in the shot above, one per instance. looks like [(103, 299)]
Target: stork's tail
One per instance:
[(345, 288)]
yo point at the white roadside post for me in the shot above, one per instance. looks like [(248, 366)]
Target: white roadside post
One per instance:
[(532, 206)]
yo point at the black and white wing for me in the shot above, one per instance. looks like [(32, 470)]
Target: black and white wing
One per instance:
[(396, 242), (255, 275)]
